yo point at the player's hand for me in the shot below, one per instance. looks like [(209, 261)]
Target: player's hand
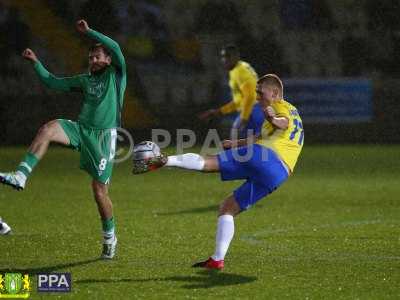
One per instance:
[(228, 144), (208, 114), (269, 112), (29, 55), (82, 26)]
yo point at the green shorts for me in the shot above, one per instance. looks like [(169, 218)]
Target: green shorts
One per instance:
[(97, 148)]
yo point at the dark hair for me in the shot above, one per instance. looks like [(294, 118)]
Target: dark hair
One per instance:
[(231, 50), (99, 46)]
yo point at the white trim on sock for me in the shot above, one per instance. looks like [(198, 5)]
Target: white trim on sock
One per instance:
[(26, 166), (172, 161), (109, 234)]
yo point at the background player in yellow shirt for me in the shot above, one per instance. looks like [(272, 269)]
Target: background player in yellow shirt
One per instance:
[(265, 161), (242, 82)]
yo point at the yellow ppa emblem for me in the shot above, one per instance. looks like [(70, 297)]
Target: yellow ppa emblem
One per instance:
[(14, 286)]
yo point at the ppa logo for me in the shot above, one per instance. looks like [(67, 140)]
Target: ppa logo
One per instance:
[(54, 282)]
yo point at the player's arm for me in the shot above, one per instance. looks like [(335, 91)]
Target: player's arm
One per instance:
[(248, 93), (116, 53), (247, 89), (227, 108), (227, 144), (246, 79), (281, 122), (61, 84)]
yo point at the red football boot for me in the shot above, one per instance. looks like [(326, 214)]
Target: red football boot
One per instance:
[(146, 165), (210, 264)]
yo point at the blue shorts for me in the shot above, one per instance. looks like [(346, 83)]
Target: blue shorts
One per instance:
[(263, 171), (255, 122)]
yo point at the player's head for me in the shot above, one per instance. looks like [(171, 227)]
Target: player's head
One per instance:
[(269, 88), (99, 58), (230, 56)]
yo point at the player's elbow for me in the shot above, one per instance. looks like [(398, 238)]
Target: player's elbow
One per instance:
[(285, 124), (47, 83), (282, 123), (53, 85), (115, 48)]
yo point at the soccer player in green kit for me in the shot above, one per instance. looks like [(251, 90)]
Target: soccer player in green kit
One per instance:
[(94, 134)]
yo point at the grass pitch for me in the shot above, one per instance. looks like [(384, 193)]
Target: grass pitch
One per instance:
[(331, 232)]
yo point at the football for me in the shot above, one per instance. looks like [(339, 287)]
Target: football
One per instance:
[(146, 150), (147, 156)]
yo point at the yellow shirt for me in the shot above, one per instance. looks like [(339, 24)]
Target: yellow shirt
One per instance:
[(242, 81), (287, 144)]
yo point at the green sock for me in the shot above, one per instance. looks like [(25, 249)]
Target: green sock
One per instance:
[(108, 225), (28, 163)]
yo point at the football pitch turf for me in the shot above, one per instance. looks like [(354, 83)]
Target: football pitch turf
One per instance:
[(331, 232)]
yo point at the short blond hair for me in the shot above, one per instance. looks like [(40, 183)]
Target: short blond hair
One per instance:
[(272, 79)]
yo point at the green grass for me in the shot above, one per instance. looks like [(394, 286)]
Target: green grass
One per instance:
[(331, 232)]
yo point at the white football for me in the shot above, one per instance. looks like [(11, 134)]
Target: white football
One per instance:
[(146, 150)]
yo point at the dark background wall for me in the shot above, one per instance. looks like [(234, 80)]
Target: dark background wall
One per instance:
[(172, 53)]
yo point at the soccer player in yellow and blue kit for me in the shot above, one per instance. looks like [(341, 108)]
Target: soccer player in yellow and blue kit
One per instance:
[(242, 82), (264, 162), (94, 134)]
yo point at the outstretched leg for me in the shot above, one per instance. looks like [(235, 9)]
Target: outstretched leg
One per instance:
[(193, 161), (104, 205), (50, 132), (190, 161)]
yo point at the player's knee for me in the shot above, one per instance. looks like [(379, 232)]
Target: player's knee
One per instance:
[(46, 132), (229, 207), (99, 195), (100, 191), (211, 164)]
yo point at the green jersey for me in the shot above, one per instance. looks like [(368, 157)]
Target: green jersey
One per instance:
[(103, 93)]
